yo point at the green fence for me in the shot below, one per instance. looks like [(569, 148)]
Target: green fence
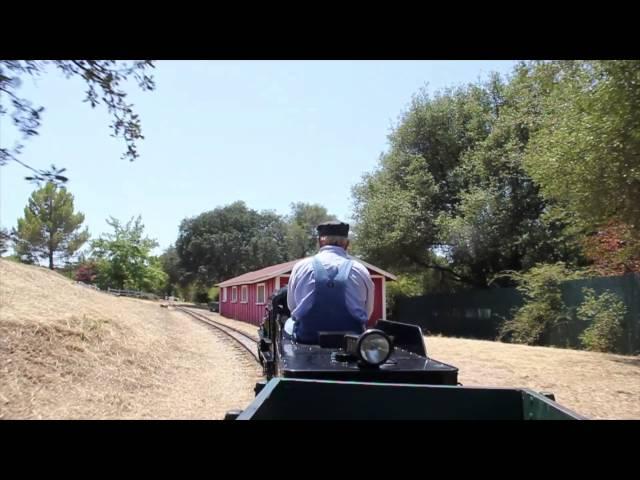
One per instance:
[(479, 313)]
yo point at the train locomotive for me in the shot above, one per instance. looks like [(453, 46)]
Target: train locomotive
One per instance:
[(390, 352)]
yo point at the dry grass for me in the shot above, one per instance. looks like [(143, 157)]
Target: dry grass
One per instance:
[(70, 352), (596, 385)]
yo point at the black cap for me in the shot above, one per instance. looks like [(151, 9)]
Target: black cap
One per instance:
[(333, 228)]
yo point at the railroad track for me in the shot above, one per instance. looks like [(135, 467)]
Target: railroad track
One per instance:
[(245, 340)]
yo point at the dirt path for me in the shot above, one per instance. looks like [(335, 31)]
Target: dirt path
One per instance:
[(205, 375), (244, 326)]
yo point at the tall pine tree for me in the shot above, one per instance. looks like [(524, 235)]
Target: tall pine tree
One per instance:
[(50, 229)]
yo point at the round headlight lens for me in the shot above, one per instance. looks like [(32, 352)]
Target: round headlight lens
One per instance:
[(375, 348)]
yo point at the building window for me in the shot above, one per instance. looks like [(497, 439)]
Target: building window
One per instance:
[(234, 294), (224, 294), (244, 294), (260, 294)]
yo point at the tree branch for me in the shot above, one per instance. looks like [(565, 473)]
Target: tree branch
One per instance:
[(456, 276)]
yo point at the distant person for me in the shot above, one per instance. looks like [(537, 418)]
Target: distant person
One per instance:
[(330, 291)]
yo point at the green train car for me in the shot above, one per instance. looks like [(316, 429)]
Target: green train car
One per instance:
[(300, 399)]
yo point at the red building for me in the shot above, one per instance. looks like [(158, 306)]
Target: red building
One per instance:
[(245, 297)]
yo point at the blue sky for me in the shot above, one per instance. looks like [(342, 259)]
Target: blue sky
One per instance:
[(266, 132)]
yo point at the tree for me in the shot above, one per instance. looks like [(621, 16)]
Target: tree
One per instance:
[(586, 151), (154, 278), (302, 237), (613, 250), (50, 228), (124, 258), (502, 222), (103, 78), (171, 266), (406, 209), (228, 241), (397, 206), (87, 272), (452, 195)]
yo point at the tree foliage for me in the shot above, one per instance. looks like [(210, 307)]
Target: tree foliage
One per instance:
[(50, 228), (104, 79), (87, 272), (453, 187), (605, 314), (124, 258), (544, 308), (171, 265), (397, 206), (302, 237), (405, 286), (231, 240), (502, 222), (228, 241), (614, 249), (586, 150)]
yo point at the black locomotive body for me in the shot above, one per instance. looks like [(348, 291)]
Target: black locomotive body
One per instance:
[(391, 352)]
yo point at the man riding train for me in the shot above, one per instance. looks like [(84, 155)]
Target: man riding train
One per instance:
[(329, 291), (328, 303)]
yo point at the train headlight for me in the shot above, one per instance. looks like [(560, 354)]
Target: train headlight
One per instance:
[(374, 347)]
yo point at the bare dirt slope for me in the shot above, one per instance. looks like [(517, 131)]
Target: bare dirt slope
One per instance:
[(67, 351)]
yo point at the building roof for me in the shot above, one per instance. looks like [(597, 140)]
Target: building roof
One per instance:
[(282, 269)]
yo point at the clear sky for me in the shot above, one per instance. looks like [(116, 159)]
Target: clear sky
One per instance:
[(266, 132)]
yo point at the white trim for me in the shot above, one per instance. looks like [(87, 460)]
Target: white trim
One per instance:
[(264, 293), (241, 280), (377, 276), (244, 288), (234, 298), (224, 294), (277, 287)]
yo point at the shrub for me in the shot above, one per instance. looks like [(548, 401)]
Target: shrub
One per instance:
[(605, 313), (405, 286), (87, 273), (201, 296), (214, 294), (544, 309)]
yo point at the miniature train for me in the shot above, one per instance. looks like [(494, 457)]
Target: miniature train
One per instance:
[(383, 373)]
